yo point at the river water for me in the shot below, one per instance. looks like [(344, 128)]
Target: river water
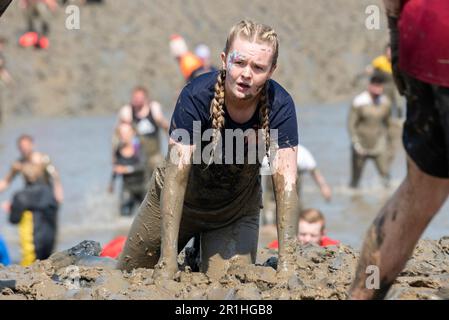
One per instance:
[(80, 147)]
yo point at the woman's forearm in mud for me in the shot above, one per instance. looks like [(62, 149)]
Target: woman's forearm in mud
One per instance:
[(172, 199), (286, 219), (287, 205)]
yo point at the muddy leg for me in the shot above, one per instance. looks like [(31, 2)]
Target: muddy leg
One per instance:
[(143, 246), (299, 190), (442, 105), (237, 241), (358, 162), (268, 201), (383, 164), (392, 237)]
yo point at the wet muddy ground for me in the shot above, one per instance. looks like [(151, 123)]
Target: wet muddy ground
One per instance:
[(321, 273)]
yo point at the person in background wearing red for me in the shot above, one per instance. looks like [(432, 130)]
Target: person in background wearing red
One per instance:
[(311, 229), (114, 247), (37, 12)]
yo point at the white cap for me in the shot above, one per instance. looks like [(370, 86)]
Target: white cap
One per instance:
[(178, 46), (202, 51)]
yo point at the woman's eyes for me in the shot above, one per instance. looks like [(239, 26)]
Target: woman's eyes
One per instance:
[(242, 63)]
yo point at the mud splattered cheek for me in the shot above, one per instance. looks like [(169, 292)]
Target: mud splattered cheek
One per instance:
[(232, 58)]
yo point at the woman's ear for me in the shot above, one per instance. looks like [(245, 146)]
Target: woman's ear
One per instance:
[(223, 60)]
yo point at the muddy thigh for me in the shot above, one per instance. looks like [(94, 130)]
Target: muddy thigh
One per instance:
[(143, 246), (236, 242)]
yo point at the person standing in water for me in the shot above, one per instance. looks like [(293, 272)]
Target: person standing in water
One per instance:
[(34, 208), (130, 165), (368, 125), (37, 11), (194, 192), (146, 117)]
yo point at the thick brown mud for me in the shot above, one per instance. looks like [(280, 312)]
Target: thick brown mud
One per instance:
[(320, 273)]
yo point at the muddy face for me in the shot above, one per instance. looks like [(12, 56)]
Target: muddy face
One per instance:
[(138, 100), (26, 148), (249, 66), (376, 90)]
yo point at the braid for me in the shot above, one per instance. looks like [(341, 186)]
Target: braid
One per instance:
[(216, 108), (264, 117)]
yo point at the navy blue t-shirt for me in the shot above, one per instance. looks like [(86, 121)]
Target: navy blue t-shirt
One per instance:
[(194, 105), (223, 191)]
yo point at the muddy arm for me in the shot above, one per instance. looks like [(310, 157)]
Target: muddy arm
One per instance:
[(172, 198), (284, 182), (58, 190), (389, 123), (4, 183), (319, 179), (352, 124)]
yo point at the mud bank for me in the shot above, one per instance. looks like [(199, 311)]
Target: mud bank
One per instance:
[(321, 273)]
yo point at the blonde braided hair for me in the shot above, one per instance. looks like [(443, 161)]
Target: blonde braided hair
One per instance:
[(264, 117), (217, 109), (254, 32)]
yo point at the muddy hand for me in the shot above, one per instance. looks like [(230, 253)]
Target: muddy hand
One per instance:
[(287, 259), (285, 269), (164, 270)]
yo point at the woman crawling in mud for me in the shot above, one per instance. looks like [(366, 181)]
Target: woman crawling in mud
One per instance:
[(207, 185)]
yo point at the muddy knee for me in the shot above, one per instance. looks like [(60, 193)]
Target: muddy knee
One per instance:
[(234, 244), (142, 247)]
